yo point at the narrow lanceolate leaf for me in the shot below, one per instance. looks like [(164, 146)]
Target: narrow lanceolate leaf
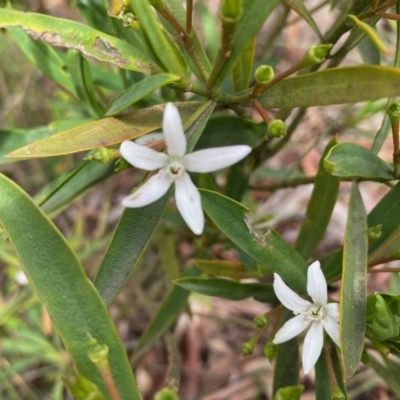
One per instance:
[(59, 279), (241, 73), (171, 307), (227, 269), (352, 160), (269, 249), (299, 7), (228, 289), (334, 86), (104, 132), (353, 295), (162, 45), (319, 209), (385, 213), (137, 226), (140, 90), (44, 57), (74, 35), (255, 12), (82, 79), (287, 362)]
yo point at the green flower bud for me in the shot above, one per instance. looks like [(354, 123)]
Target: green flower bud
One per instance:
[(394, 110), (374, 232), (264, 74), (260, 321), (98, 353), (82, 388), (316, 54), (277, 128), (289, 393), (121, 165), (270, 350), (166, 394), (103, 155), (231, 11), (337, 394), (248, 347)]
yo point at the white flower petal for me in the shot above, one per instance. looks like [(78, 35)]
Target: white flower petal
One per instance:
[(213, 159), (188, 201), (174, 135), (312, 346), (149, 138), (288, 297), (21, 279), (291, 329), (316, 284), (142, 156), (332, 309), (332, 328), (150, 191)]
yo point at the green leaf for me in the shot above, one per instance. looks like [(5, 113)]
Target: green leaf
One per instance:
[(241, 73), (287, 364), (137, 226), (369, 53), (138, 91), (352, 160), (255, 12), (322, 380), (353, 296), (11, 140), (268, 249), (170, 309), (228, 289), (389, 372), (162, 45), (44, 57), (61, 192), (227, 269), (381, 135), (105, 132), (59, 279), (385, 213), (231, 131), (82, 79), (74, 35), (298, 7), (319, 209), (334, 86), (381, 323)]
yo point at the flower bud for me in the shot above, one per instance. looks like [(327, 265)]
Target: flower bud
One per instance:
[(277, 128), (82, 388), (374, 232), (260, 321), (231, 11), (103, 155), (394, 110), (98, 353), (337, 394), (316, 54), (270, 350), (248, 347), (264, 74), (166, 394)]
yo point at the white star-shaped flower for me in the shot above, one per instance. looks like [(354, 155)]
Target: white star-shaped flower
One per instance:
[(316, 316), (173, 166)]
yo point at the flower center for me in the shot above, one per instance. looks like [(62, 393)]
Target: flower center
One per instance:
[(315, 314), (175, 166)]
